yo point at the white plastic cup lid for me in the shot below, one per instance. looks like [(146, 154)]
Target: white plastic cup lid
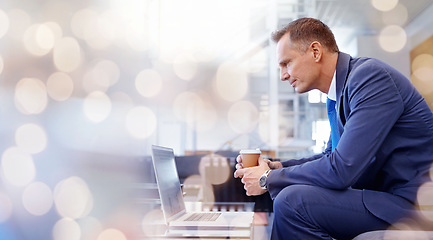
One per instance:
[(250, 151)]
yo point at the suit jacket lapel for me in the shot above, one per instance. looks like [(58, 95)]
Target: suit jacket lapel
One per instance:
[(342, 72)]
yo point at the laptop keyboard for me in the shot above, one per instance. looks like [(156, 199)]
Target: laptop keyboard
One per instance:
[(211, 216)]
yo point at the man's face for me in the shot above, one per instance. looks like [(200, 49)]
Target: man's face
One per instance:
[(297, 67)]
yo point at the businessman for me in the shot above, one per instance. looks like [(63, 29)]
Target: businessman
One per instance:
[(379, 152)]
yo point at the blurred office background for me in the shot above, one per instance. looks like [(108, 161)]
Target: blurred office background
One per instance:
[(87, 86)]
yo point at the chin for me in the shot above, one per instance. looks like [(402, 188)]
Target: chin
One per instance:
[(300, 90)]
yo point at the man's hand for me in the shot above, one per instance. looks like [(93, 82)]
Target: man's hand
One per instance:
[(272, 165), (251, 176)]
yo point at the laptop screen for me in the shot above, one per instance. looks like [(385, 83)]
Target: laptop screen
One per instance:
[(167, 179)]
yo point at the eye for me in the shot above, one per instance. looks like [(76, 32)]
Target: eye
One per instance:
[(284, 64)]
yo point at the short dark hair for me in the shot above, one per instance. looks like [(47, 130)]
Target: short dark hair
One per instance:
[(304, 31)]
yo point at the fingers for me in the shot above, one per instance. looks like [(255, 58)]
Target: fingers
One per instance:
[(275, 165), (239, 162), (263, 161), (239, 173), (246, 189), (252, 189), (239, 159)]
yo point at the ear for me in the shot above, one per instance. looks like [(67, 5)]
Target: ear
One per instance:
[(316, 51)]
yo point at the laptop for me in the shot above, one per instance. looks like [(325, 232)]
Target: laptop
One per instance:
[(181, 222)]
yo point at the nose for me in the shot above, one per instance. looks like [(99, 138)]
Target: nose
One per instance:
[(284, 75)]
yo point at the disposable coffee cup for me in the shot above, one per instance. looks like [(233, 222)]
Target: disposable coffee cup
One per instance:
[(250, 157)]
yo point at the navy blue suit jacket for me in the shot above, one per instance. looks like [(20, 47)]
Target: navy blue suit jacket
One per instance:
[(386, 145)]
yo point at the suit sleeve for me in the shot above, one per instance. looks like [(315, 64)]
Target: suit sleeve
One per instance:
[(375, 105)]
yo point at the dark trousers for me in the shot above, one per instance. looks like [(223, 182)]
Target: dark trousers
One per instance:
[(311, 212)]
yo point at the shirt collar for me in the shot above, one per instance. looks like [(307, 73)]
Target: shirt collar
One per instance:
[(332, 93)]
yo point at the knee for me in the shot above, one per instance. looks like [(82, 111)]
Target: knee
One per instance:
[(293, 197)]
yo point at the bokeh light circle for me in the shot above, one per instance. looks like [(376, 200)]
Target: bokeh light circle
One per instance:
[(38, 39), (31, 96), (31, 138), (45, 37), (422, 60), (60, 86), (141, 122), (422, 65), (37, 198), (384, 5), (56, 29), (231, 81), (18, 167), (392, 38), (67, 54), (73, 198), (97, 106), (243, 117), (111, 234), (66, 229), (422, 73), (148, 83)]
